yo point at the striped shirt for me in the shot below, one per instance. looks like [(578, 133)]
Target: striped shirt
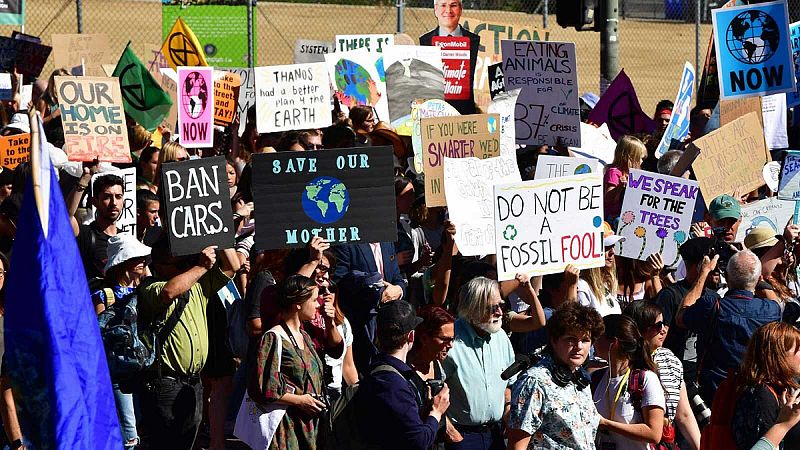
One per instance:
[(670, 372)]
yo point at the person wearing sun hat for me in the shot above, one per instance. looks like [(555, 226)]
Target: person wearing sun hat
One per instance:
[(597, 287)]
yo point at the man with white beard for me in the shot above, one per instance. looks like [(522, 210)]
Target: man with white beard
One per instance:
[(479, 399)]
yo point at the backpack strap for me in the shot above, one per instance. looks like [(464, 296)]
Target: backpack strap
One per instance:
[(110, 298), (169, 325), (636, 388), (385, 368)]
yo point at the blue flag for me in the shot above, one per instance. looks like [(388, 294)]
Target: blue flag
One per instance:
[(54, 354)]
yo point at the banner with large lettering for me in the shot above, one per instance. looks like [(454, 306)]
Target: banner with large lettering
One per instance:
[(93, 119), (226, 97), (754, 50), (196, 106), (455, 58), (292, 97), (541, 226), (15, 149), (12, 12), (343, 195), (196, 199), (374, 43)]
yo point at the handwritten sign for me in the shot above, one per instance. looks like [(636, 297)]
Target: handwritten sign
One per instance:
[(731, 158), (469, 189), (455, 58), (541, 226), (371, 42), (548, 110), (197, 203), (729, 110), (226, 96), (656, 215), (549, 166), (308, 51), (789, 183), (247, 94), (293, 97), (90, 50), (93, 119), (196, 106), (497, 80), (15, 149), (793, 98), (126, 223), (504, 104), (769, 212), (424, 110), (476, 135)]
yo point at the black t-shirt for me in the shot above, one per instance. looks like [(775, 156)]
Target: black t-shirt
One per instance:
[(756, 411), (670, 299), (93, 247)]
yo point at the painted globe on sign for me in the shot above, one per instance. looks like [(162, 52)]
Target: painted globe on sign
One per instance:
[(195, 95), (752, 37), (582, 168), (325, 199)]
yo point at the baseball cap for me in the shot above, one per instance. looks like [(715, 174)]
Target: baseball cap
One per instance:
[(399, 315), (609, 238), (760, 237), (725, 207)]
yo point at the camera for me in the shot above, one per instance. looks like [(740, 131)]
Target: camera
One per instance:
[(324, 399), (721, 248), (701, 411), (435, 386)]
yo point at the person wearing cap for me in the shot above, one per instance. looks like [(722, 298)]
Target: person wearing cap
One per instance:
[(394, 420), (724, 217), (125, 268), (723, 327), (597, 287), (480, 353)]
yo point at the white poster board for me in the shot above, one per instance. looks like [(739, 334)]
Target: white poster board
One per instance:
[(769, 212), (550, 166), (292, 97), (504, 104), (126, 224)]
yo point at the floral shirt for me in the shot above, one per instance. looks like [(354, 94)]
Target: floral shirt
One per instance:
[(558, 418)]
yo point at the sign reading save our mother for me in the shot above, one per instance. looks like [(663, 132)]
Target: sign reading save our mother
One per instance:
[(754, 52), (342, 195), (656, 215)]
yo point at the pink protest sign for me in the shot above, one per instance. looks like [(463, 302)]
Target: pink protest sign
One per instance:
[(196, 106), (619, 108)]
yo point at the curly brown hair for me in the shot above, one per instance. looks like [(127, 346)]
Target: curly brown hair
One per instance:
[(766, 360), (574, 318)]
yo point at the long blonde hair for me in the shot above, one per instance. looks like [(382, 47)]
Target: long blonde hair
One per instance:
[(629, 153), (602, 281)]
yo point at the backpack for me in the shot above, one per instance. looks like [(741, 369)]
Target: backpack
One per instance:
[(341, 427)]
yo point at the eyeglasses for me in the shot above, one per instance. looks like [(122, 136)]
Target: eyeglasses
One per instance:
[(3, 273), (658, 325), (446, 339), (491, 309)]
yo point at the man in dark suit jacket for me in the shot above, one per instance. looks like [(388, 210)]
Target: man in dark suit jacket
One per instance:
[(351, 257), (448, 13)]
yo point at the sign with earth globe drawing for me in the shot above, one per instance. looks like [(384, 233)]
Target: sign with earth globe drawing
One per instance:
[(754, 53), (196, 110), (325, 199)]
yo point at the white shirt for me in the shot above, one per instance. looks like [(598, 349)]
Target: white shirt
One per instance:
[(605, 306), (346, 331)]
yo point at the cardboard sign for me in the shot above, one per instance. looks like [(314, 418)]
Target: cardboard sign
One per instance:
[(308, 51), (789, 183), (126, 223), (548, 111), (730, 110), (476, 135), (93, 119), (357, 80), (155, 61), (196, 106), (754, 51), (247, 94), (226, 98), (425, 110), (598, 143), (678, 127), (541, 226), (374, 43), (656, 215), (793, 98), (730, 158), (197, 202), (14, 150), (550, 166), (412, 72), (504, 104), (89, 50), (342, 195), (31, 57), (455, 58), (293, 97), (469, 188), (497, 80), (619, 108), (769, 212)]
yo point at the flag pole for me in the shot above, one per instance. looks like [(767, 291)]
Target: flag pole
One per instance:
[(36, 161)]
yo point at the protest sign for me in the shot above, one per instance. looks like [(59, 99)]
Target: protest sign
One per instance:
[(292, 97), (769, 212), (424, 109), (90, 50), (181, 47), (126, 223), (550, 166), (772, 174), (142, 96), (619, 108), (497, 81), (15, 149), (155, 61), (597, 143), (196, 110), (12, 12), (541, 226), (221, 31), (503, 105), (412, 72), (730, 158), (548, 111), (308, 51), (247, 94), (226, 97), (754, 52), (93, 119), (729, 110), (6, 88), (476, 135), (708, 88), (455, 60), (8, 53), (343, 195), (25, 96), (789, 183), (197, 205), (773, 113), (656, 215), (31, 57), (469, 188), (357, 81), (374, 43), (793, 98), (678, 126)]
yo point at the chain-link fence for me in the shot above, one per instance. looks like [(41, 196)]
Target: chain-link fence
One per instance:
[(655, 36)]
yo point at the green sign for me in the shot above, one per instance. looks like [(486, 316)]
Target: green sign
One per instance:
[(221, 30), (12, 12)]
